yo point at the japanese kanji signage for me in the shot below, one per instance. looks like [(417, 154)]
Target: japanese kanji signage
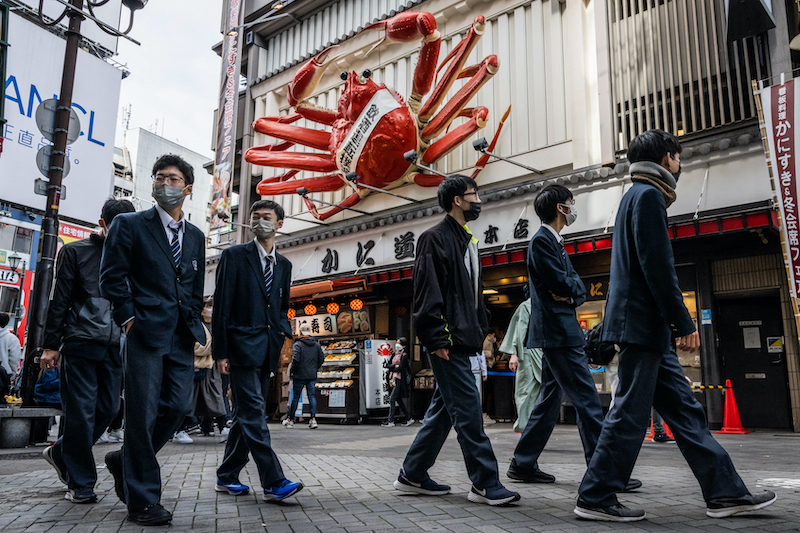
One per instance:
[(778, 104)]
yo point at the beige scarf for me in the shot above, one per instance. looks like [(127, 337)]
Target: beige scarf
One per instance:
[(669, 193)]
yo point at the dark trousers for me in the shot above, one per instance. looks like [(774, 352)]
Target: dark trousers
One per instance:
[(394, 400), (158, 395), (455, 403), (297, 390), (564, 370), (646, 378), (90, 381), (249, 432)]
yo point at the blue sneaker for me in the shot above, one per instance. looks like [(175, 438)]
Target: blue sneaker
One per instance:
[(282, 491), (232, 488), (428, 487), (497, 495)]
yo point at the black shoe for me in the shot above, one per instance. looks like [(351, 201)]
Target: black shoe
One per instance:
[(722, 507), (152, 515), (662, 437), (527, 475), (632, 485), (612, 513), (114, 465)]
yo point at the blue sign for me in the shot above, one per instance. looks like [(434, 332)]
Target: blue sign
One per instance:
[(705, 317)]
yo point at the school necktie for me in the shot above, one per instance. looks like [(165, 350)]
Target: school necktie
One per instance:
[(268, 277), (175, 244)]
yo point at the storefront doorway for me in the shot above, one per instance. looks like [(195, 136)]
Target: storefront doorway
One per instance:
[(752, 347)]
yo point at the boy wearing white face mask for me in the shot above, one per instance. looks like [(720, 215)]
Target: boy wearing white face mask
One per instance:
[(249, 326)]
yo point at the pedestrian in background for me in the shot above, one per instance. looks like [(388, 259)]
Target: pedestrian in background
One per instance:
[(451, 323), (10, 349), (526, 362), (477, 363), (152, 271), (250, 325), (82, 338), (399, 377), (307, 358), (644, 310)]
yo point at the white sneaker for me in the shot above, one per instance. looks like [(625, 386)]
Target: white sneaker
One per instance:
[(117, 435), (182, 437), (290, 423), (223, 435), (487, 420), (409, 422), (103, 439), (284, 421), (313, 424)]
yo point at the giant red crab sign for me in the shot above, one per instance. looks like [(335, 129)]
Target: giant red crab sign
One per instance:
[(373, 126)]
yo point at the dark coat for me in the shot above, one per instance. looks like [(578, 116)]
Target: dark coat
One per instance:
[(247, 328), (445, 314), (644, 300), (77, 311), (138, 276), (552, 324), (307, 358)]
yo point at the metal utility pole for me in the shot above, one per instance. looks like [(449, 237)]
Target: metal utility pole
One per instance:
[(45, 268)]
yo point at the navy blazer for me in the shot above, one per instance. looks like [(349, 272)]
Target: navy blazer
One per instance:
[(552, 324), (644, 300), (139, 277), (247, 326)]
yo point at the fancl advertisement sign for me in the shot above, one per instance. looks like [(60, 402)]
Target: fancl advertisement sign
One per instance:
[(35, 61)]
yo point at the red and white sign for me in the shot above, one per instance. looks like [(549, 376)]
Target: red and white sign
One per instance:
[(778, 103), (8, 277), (71, 232)]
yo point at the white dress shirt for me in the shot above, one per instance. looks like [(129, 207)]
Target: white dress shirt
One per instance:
[(168, 222), (264, 256), (559, 238)]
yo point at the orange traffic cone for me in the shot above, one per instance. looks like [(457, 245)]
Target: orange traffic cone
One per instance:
[(731, 422)]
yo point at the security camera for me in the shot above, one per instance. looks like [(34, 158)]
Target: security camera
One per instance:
[(481, 144), (31, 215), (410, 156), (302, 191), (351, 176)]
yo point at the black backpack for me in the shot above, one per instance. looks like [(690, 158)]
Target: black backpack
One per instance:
[(598, 351)]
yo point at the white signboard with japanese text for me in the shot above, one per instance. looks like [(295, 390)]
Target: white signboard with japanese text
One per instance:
[(35, 61), (373, 373), (319, 325)]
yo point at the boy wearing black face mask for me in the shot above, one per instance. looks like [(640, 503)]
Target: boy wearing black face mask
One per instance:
[(556, 290), (451, 323)]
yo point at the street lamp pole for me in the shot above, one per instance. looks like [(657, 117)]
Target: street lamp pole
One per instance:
[(45, 267)]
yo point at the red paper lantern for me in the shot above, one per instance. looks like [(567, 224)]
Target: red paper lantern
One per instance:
[(332, 308), (291, 313), (310, 309), (356, 304)]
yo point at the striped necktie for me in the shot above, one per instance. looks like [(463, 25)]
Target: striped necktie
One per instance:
[(175, 245), (268, 277)]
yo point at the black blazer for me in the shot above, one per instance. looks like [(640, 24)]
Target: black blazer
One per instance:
[(248, 327), (139, 278), (644, 299), (552, 324)]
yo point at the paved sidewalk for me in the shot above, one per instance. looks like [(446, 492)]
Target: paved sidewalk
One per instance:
[(348, 472)]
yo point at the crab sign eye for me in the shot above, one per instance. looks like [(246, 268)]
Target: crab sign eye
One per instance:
[(343, 75), (366, 74)]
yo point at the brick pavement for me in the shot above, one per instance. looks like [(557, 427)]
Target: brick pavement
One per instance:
[(348, 471)]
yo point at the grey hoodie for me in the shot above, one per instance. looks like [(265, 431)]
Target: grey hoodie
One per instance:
[(10, 351)]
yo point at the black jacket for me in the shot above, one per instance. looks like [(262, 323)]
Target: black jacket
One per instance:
[(307, 357), (139, 277), (445, 313), (644, 300), (552, 324), (249, 328), (77, 311)]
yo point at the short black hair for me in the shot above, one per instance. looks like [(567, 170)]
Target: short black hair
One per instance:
[(172, 160), (268, 204), (653, 145), (453, 186), (114, 207), (4, 319), (402, 341), (548, 199)]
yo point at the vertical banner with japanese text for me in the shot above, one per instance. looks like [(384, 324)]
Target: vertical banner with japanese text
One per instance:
[(225, 146)]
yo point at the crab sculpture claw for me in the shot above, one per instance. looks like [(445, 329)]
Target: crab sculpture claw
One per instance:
[(307, 78)]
